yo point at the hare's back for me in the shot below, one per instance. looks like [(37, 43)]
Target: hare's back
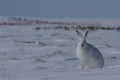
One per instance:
[(94, 52), (95, 57)]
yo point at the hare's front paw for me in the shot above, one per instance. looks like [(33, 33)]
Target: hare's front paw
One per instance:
[(81, 66)]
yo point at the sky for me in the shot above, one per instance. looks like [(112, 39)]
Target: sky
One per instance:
[(61, 8)]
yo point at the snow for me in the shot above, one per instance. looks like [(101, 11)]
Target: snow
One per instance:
[(30, 54)]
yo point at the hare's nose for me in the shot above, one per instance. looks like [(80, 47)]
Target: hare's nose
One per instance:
[(82, 45)]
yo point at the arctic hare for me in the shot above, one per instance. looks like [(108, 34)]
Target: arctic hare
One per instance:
[(89, 55)]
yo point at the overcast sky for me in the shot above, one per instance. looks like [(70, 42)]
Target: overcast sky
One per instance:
[(61, 8)]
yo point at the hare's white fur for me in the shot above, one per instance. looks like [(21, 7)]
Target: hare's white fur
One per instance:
[(89, 55)]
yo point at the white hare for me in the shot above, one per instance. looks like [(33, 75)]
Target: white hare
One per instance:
[(89, 55)]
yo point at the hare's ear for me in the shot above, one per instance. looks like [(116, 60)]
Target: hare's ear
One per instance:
[(79, 34), (86, 34)]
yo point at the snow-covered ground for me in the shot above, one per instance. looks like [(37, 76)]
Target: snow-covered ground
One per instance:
[(30, 54)]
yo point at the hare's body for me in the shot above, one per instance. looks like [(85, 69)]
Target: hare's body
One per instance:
[(89, 55)]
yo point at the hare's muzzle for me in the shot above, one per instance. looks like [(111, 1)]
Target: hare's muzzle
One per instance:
[(82, 45)]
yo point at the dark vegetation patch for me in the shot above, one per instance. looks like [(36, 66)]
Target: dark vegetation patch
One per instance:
[(112, 57), (77, 27), (31, 42), (11, 21)]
